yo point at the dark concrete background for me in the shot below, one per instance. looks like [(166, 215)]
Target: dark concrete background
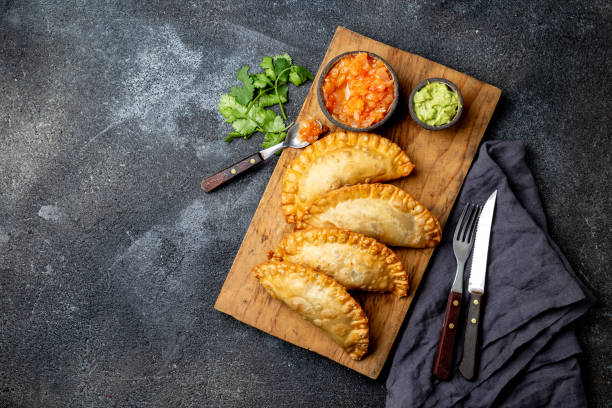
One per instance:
[(111, 256)]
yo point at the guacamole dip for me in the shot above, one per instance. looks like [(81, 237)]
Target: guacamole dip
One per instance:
[(435, 104)]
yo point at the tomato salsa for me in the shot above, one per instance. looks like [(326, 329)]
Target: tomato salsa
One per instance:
[(358, 90), (311, 129)]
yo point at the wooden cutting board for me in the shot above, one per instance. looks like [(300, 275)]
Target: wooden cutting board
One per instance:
[(442, 159)]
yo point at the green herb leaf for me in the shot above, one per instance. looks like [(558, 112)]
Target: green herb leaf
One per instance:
[(281, 68), (261, 115), (267, 119), (261, 81), (284, 56), (272, 139), (275, 126), (243, 94), (299, 75), (271, 99), (232, 136), (268, 64), (230, 108), (244, 124), (246, 127)]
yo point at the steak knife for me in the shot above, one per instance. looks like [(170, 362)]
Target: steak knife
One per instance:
[(476, 286)]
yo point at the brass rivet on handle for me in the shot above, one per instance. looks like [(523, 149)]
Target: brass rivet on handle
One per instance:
[(233, 171), (455, 303), (252, 161), (475, 301), (451, 326), (474, 321)]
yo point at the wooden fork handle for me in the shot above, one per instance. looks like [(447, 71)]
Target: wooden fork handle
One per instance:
[(467, 367), (222, 177), (446, 345)]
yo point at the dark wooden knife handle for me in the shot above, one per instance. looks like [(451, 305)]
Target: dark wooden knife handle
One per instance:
[(467, 367), (446, 345), (214, 181)]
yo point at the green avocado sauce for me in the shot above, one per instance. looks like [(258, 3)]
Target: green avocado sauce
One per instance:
[(435, 104)]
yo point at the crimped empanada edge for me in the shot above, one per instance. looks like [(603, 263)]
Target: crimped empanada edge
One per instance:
[(309, 154), (360, 325), (393, 265), (431, 225)]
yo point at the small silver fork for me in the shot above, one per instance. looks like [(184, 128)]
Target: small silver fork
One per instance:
[(463, 241)]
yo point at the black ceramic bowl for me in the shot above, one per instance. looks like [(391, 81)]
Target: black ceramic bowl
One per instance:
[(420, 85), (344, 125)]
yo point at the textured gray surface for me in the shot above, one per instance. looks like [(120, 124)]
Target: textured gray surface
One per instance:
[(111, 257)]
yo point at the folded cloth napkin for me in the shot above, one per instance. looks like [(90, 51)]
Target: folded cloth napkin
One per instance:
[(528, 347)]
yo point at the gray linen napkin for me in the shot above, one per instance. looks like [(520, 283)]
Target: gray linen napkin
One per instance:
[(528, 351)]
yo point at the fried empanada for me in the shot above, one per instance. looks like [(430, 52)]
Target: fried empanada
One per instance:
[(320, 300), (380, 211), (353, 260), (337, 160)]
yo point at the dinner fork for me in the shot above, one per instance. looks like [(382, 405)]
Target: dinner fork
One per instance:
[(463, 241)]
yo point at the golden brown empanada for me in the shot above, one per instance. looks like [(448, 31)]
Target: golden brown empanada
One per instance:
[(320, 300), (380, 211), (353, 260), (337, 160)]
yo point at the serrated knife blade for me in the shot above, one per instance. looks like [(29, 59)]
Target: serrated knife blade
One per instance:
[(478, 271)]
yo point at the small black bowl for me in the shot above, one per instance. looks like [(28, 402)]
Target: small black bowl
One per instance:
[(420, 85), (344, 125)]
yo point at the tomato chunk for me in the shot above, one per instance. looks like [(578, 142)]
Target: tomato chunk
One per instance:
[(311, 129)]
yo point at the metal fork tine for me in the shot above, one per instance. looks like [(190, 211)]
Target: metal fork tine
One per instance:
[(466, 222), (473, 231), (460, 223), (474, 224), (468, 225)]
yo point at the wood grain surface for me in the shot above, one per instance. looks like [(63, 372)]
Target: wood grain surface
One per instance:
[(443, 362), (442, 159)]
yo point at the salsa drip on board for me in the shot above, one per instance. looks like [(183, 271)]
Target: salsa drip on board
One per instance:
[(358, 90), (311, 129)]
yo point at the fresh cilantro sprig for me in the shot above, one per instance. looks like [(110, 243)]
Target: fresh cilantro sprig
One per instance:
[(245, 106)]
